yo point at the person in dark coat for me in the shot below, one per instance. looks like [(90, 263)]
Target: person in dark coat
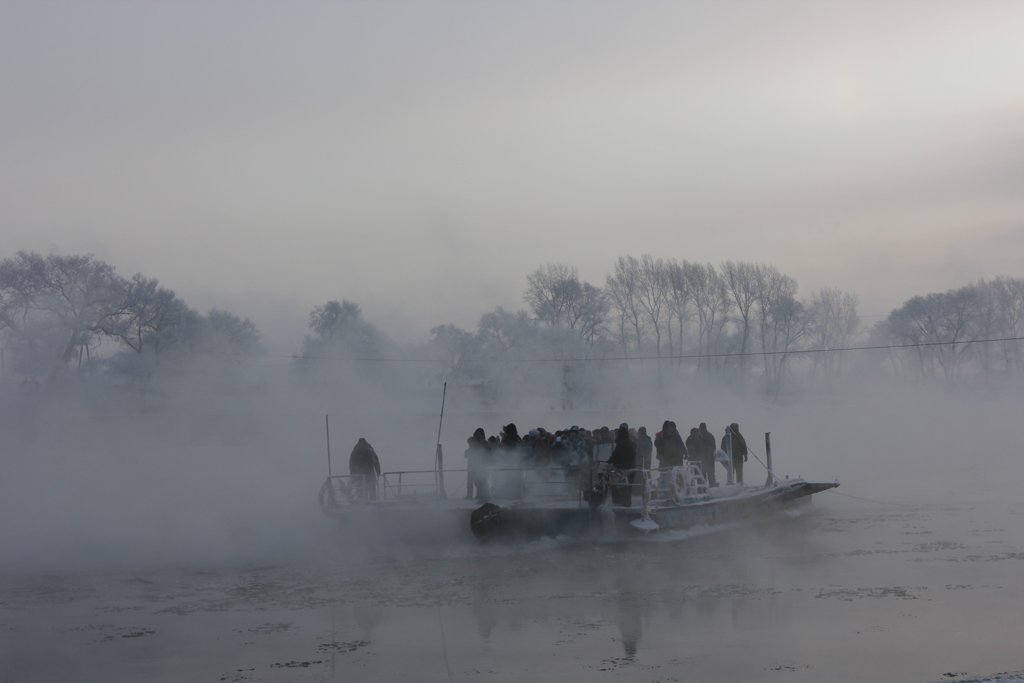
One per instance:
[(512, 455), (364, 468), (708, 454), (476, 464), (739, 450), (644, 447), (695, 446), (510, 437), (623, 458), (671, 449)]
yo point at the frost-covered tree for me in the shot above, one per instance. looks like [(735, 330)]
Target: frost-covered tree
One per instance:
[(551, 292), (740, 280), (833, 324), (53, 308), (340, 331), (557, 296), (228, 336), (1008, 296), (678, 301), (711, 301), (623, 289), (652, 294), (150, 318), (939, 329)]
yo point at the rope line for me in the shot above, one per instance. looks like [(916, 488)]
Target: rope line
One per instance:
[(685, 356), (869, 500)]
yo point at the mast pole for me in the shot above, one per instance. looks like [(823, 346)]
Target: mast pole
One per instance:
[(327, 423), (438, 454), (768, 457), (728, 452)]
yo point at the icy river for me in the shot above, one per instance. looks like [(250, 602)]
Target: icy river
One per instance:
[(844, 590)]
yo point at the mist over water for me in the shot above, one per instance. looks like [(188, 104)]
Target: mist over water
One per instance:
[(99, 484), (557, 214), (193, 528)]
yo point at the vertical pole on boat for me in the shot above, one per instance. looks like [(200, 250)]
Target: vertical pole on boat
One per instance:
[(438, 455), (327, 423), (768, 457), (728, 453)]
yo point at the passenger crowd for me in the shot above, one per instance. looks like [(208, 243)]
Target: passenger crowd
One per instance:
[(576, 452)]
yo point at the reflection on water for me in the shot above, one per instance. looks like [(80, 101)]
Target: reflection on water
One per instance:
[(627, 617), (847, 591), (485, 615), (367, 616)]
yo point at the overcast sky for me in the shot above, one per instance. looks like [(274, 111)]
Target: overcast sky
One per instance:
[(421, 158)]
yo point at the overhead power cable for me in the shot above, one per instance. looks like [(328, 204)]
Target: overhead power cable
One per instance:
[(791, 352)]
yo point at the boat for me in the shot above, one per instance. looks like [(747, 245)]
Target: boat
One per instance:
[(548, 501)]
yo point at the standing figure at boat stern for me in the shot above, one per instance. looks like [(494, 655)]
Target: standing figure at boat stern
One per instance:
[(739, 449), (623, 458), (364, 468), (707, 458), (476, 466)]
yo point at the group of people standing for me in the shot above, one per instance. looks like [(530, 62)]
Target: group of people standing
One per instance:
[(624, 448), (573, 450)]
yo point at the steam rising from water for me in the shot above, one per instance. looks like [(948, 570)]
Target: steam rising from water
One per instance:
[(90, 482)]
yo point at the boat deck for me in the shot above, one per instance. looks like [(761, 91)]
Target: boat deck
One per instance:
[(547, 507)]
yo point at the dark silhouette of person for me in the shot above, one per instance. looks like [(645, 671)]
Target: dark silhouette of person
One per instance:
[(708, 454), (476, 465), (670, 446), (739, 450), (364, 468), (623, 458), (695, 446)]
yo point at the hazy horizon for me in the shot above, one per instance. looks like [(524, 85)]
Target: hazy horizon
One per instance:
[(265, 158)]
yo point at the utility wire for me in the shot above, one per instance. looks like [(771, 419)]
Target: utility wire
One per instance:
[(793, 352)]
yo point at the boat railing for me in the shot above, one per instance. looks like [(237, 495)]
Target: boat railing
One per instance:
[(686, 481), (533, 483), (341, 490), (511, 483)]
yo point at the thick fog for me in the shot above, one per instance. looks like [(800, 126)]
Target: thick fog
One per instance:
[(227, 225), (265, 158), (139, 432)]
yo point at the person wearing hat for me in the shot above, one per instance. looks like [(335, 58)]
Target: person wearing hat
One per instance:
[(363, 469), (530, 444), (739, 449), (510, 436), (579, 453)]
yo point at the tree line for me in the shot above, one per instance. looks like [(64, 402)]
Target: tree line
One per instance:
[(74, 315), (739, 322), (940, 332)]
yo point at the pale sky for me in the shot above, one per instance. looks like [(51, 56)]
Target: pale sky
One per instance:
[(421, 158)]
